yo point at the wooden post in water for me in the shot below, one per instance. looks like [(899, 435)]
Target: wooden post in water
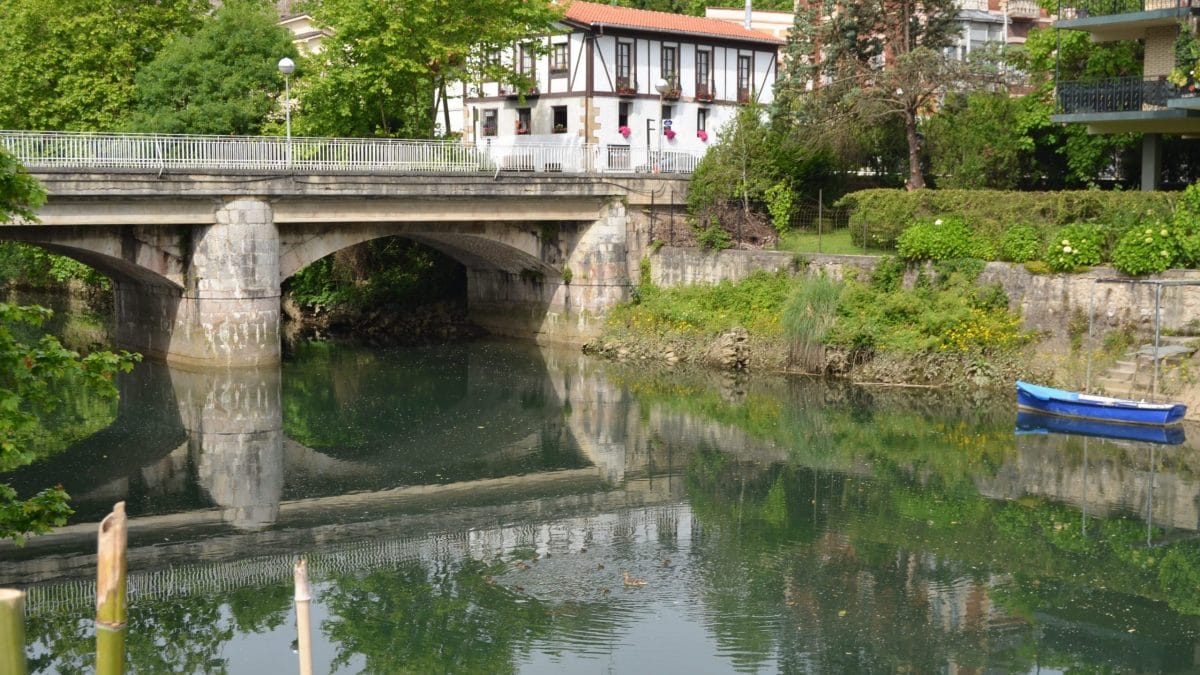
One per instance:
[(110, 593), (12, 632), (303, 628)]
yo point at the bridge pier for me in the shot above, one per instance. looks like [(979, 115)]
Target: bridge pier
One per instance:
[(590, 274), (227, 313)]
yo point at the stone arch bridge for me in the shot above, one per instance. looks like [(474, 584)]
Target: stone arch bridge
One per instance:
[(198, 257)]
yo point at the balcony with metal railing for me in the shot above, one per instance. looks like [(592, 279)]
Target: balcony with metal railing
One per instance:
[(1121, 94), (1129, 104), (1109, 20), (1080, 9), (65, 151)]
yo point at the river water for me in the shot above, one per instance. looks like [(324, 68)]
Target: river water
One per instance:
[(494, 507)]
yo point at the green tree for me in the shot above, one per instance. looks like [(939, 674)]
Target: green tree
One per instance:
[(377, 71), (878, 60), (20, 193), (222, 79), (973, 144), (70, 65), (33, 378)]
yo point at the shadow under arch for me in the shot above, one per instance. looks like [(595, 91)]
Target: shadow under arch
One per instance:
[(511, 248)]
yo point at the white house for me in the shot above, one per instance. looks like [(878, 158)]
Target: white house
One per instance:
[(597, 83)]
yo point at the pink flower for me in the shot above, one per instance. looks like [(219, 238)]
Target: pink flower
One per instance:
[(624, 131), (669, 133), (702, 135)]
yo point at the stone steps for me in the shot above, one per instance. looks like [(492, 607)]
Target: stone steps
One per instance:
[(1132, 375)]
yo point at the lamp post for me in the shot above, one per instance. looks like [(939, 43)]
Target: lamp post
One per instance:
[(661, 86), (287, 67)]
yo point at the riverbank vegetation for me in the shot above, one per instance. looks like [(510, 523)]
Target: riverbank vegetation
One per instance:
[(942, 329)]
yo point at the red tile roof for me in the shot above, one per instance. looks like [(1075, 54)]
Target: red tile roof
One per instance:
[(595, 15)]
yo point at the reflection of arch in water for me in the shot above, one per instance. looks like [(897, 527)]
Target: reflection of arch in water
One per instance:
[(146, 431), (223, 425)]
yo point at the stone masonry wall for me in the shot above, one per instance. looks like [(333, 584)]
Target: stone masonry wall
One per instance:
[(1046, 301)]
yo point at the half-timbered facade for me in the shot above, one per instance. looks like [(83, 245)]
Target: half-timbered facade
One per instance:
[(598, 82)]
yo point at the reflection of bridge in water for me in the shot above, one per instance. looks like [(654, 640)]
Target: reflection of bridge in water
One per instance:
[(225, 432)]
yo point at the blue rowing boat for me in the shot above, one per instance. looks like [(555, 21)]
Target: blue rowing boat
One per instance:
[(1038, 423), (1050, 401)]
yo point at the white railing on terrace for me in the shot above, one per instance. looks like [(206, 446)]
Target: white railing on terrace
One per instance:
[(162, 152)]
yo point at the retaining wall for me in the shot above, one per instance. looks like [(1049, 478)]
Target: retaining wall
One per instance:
[(1046, 301)]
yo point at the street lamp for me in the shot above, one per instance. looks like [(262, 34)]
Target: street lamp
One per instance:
[(661, 86), (287, 67)]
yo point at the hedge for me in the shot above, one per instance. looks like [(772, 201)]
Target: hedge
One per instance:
[(883, 214)]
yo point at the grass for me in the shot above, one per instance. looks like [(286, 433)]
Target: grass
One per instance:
[(836, 242)]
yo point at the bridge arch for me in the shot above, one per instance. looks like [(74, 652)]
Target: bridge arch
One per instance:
[(130, 258), (511, 248)]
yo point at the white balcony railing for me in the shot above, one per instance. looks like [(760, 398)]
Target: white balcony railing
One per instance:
[(1024, 9), (272, 154)]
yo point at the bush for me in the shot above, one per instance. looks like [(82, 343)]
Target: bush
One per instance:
[(884, 214), (942, 239), (1021, 243), (1074, 246), (713, 238), (754, 303), (948, 315), (1146, 250)]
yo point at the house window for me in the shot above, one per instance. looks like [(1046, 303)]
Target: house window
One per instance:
[(559, 59), (560, 119), (669, 66), (702, 119), (666, 115), (623, 114), (704, 88), (492, 64), (626, 84), (524, 121), (526, 61), (490, 126), (743, 77)]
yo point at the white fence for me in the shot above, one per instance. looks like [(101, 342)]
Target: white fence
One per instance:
[(274, 154)]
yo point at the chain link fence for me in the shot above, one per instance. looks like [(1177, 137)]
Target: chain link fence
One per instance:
[(813, 227)]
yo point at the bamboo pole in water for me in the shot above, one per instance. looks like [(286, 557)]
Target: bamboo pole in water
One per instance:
[(12, 632), (110, 593), (303, 629)]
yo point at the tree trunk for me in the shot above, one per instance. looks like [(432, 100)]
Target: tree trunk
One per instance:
[(916, 180), (445, 110)]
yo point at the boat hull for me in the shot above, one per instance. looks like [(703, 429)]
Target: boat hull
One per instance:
[(1050, 401), (1031, 422)]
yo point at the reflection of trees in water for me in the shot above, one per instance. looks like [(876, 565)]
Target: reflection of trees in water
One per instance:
[(830, 572), (444, 617), (183, 634)]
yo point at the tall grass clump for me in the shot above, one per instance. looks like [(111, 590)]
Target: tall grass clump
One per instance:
[(808, 314)]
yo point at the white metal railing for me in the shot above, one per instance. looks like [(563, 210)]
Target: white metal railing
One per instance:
[(163, 152)]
